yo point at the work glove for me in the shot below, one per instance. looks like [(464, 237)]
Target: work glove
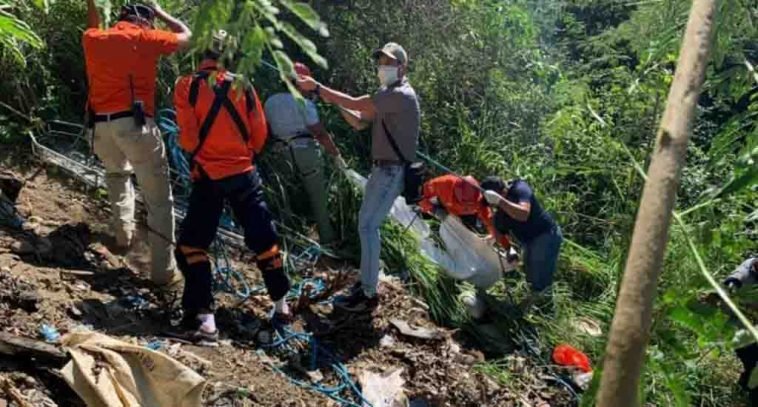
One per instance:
[(493, 198), (732, 283), (512, 255), (340, 162)]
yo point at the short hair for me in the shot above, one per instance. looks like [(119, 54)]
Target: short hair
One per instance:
[(493, 183), (137, 13), (211, 54)]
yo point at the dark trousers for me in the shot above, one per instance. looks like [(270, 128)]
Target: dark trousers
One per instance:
[(748, 355), (206, 204)]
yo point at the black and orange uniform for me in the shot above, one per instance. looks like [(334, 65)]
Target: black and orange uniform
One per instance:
[(460, 197), (222, 127)]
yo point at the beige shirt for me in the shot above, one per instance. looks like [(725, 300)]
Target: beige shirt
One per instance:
[(398, 107)]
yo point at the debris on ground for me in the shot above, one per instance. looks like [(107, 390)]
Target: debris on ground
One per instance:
[(49, 333), (383, 389), (416, 332), (79, 286)]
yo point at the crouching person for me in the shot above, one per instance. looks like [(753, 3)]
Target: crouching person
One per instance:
[(460, 196), (222, 126), (519, 214)]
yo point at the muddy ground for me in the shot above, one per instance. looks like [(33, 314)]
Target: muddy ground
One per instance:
[(61, 271)]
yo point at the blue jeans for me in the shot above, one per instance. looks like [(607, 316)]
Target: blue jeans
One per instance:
[(541, 258), (384, 185)]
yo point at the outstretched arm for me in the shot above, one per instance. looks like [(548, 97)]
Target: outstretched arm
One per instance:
[(183, 33), (363, 104), (93, 18), (354, 118)]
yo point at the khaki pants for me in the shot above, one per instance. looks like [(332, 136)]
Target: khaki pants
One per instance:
[(125, 149), (303, 158)]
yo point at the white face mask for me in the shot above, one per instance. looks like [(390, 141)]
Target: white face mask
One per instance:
[(387, 74)]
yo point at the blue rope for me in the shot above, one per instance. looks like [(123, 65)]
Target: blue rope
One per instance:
[(318, 353), (287, 340)]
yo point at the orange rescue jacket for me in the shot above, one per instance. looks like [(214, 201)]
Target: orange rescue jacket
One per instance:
[(222, 146), (467, 201)]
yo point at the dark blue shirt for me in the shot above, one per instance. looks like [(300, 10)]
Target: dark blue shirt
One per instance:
[(538, 222)]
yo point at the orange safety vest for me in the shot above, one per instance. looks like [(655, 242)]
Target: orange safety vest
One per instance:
[(468, 201), (220, 126)]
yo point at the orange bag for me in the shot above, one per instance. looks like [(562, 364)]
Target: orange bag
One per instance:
[(567, 355)]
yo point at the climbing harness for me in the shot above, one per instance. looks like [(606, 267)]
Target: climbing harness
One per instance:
[(300, 252)]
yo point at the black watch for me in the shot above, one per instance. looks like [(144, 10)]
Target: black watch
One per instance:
[(318, 90)]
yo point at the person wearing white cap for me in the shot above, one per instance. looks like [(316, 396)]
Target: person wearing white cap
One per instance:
[(394, 115)]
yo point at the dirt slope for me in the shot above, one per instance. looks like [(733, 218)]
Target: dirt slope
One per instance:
[(60, 272)]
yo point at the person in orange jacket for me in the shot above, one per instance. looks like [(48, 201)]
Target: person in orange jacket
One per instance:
[(222, 127), (459, 196), (122, 63)]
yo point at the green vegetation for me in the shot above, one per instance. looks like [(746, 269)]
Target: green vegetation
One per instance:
[(564, 94)]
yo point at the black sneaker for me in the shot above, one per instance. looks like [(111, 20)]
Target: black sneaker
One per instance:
[(189, 330), (204, 338), (357, 302)]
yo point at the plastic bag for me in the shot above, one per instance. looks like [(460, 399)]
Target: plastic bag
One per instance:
[(465, 255)]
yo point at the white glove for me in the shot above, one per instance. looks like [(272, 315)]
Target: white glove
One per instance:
[(341, 164), (512, 255), (493, 198)]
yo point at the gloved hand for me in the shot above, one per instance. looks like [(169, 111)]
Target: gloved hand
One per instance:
[(512, 255), (733, 284), (340, 162), (493, 198)]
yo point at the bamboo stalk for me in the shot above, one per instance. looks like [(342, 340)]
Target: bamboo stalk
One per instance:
[(630, 331)]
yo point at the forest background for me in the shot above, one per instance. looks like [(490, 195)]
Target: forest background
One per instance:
[(565, 94)]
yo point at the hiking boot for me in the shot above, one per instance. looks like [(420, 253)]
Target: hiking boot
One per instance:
[(357, 286), (475, 306), (357, 301), (204, 338), (189, 330)]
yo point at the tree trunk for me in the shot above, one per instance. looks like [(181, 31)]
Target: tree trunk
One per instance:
[(630, 331)]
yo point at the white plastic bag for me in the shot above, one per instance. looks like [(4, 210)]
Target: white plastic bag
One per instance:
[(466, 256), (475, 259)]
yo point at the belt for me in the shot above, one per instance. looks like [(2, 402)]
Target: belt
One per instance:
[(386, 163), (114, 116), (293, 138)]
